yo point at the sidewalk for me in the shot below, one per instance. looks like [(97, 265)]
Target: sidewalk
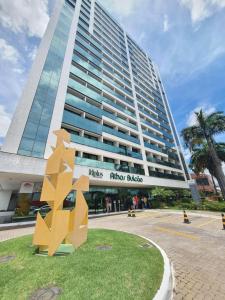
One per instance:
[(16, 225)]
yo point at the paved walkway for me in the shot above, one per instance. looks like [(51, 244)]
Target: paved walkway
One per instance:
[(197, 250)]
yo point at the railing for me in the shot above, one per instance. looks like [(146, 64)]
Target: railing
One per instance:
[(120, 134), (154, 147), (99, 145), (109, 166), (162, 162), (167, 176)]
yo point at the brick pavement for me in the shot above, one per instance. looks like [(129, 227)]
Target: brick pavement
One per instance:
[(197, 250)]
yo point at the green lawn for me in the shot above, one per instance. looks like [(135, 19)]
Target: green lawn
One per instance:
[(128, 271)]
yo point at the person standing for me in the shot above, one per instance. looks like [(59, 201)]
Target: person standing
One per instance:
[(135, 202), (142, 203), (108, 203), (145, 202)]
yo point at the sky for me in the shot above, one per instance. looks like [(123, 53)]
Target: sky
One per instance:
[(185, 38)]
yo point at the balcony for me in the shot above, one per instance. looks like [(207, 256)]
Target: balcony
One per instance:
[(82, 123), (95, 96), (173, 155), (108, 166), (89, 47), (87, 55), (91, 109), (162, 162), (120, 135), (156, 148), (150, 124), (99, 145), (118, 119), (167, 176), (84, 106)]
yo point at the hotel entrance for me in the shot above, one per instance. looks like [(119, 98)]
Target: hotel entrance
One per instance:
[(120, 198), (26, 208)]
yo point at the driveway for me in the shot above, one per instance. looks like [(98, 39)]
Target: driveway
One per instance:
[(196, 250)]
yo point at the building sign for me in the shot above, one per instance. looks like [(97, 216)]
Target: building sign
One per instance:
[(129, 178), (115, 176), (95, 174)]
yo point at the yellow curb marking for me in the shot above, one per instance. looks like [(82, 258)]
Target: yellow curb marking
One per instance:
[(203, 224), (174, 232)]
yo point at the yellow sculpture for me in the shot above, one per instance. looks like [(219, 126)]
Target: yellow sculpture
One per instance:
[(62, 226)]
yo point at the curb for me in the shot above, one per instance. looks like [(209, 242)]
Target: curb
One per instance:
[(165, 292), (18, 225)]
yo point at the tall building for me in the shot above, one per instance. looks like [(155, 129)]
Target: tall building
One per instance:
[(91, 78)]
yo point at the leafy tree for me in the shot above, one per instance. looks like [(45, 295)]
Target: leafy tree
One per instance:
[(205, 130), (162, 193)]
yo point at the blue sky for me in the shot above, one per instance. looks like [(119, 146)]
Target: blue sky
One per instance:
[(184, 37)]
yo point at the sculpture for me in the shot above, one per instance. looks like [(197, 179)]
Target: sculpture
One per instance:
[(62, 226)]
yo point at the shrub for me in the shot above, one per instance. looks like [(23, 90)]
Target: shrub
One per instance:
[(189, 205), (213, 206), (155, 203), (187, 200)]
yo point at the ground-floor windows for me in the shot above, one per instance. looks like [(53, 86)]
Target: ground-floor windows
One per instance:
[(120, 198)]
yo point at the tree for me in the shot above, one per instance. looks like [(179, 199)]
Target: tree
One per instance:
[(201, 159), (204, 132), (161, 193)]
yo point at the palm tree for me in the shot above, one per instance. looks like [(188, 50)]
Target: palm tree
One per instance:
[(201, 159), (205, 130)]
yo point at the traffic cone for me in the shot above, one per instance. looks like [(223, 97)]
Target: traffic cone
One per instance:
[(133, 213), (129, 213), (223, 221), (186, 220)]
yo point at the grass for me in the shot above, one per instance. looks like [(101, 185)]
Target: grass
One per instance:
[(128, 271)]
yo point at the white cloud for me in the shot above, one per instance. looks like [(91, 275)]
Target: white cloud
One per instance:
[(32, 54), (25, 15), (202, 9), (122, 7), (165, 23), (5, 119), (191, 119), (8, 52), (187, 155), (142, 37), (18, 70)]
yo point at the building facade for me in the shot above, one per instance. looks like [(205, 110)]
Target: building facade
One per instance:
[(204, 183), (92, 79)]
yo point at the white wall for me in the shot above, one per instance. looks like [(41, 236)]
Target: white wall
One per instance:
[(4, 199)]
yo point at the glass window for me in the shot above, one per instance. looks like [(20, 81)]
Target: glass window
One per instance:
[(27, 144), (39, 119)]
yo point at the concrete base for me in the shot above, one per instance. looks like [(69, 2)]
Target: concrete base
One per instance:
[(4, 200), (6, 216)]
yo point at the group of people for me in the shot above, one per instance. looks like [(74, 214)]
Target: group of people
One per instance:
[(135, 202), (140, 202)]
